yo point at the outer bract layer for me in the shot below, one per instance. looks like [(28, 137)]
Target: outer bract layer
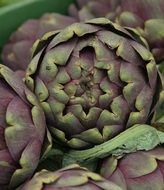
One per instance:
[(93, 81), (22, 129), (136, 171), (147, 16), (18, 51), (72, 177)]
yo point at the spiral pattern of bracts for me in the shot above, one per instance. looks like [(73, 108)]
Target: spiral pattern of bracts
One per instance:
[(93, 81)]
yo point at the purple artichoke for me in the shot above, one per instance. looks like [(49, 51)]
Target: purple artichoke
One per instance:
[(147, 16), (136, 171), (93, 81), (17, 52), (72, 177), (22, 130)]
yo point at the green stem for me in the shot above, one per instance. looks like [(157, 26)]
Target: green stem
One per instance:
[(138, 137)]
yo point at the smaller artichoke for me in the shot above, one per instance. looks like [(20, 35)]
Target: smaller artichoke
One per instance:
[(22, 130), (136, 171), (72, 177), (17, 52)]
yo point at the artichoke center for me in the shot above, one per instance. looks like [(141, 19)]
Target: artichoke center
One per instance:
[(86, 84)]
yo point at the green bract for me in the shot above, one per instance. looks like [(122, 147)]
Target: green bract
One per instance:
[(158, 117), (136, 171), (72, 177), (22, 130), (93, 81)]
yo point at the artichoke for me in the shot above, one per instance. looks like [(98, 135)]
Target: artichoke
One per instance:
[(93, 81), (136, 171), (22, 130), (147, 16), (17, 52), (70, 178)]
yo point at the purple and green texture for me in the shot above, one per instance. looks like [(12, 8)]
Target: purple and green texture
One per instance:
[(146, 16), (93, 81), (22, 130), (18, 51), (136, 171), (72, 177)]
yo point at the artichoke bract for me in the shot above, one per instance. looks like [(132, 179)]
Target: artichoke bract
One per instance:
[(140, 170), (70, 178), (18, 51), (147, 16), (93, 81), (22, 130)]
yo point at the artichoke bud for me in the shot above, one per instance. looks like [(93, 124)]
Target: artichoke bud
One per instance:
[(108, 81)]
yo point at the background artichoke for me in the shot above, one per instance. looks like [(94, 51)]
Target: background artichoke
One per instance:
[(147, 16), (93, 81), (70, 178), (136, 171), (18, 51), (22, 130)]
